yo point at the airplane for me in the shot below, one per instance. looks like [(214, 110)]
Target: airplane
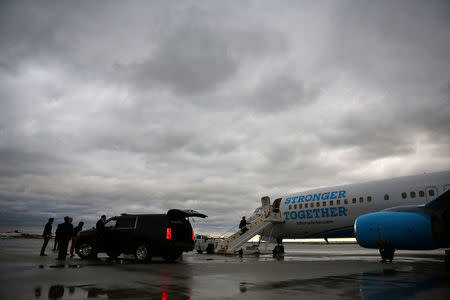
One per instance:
[(410, 212)]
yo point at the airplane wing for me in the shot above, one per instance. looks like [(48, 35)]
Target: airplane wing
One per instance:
[(442, 202)]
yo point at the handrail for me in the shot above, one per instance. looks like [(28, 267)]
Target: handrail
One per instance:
[(224, 245)]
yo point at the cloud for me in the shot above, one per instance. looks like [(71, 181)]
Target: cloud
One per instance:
[(280, 94), (191, 61)]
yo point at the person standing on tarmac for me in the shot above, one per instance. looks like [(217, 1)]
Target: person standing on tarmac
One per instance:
[(76, 230), (47, 234), (66, 235), (100, 231), (57, 237)]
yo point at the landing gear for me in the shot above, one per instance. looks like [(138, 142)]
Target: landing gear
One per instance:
[(387, 253), (447, 260), (279, 249)]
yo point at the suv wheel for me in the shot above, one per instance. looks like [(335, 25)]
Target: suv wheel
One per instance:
[(85, 250), (142, 253)]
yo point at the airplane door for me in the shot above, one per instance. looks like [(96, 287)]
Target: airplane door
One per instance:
[(431, 193), (276, 205)]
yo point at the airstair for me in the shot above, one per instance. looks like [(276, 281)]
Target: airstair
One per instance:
[(267, 216)]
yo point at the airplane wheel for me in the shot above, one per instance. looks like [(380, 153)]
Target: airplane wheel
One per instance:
[(387, 254), (278, 250)]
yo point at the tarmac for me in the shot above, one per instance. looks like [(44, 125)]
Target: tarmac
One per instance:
[(307, 271)]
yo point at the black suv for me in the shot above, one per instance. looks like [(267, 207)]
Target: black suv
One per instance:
[(167, 235)]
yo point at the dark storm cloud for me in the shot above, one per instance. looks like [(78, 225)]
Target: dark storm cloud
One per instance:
[(198, 58), (112, 107), (38, 31), (191, 61), (13, 162)]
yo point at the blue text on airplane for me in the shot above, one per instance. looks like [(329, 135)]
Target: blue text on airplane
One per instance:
[(316, 213), (316, 197)]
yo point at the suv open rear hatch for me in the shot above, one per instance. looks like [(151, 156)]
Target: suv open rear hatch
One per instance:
[(187, 213)]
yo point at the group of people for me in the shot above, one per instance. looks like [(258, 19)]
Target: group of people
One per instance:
[(65, 232)]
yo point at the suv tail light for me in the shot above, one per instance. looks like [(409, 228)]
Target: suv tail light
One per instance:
[(193, 235), (168, 233)]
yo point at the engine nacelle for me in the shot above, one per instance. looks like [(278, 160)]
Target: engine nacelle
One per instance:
[(401, 230)]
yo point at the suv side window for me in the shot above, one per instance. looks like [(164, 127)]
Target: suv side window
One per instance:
[(126, 223), (110, 223)]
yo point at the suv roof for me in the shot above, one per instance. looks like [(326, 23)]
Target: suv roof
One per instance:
[(185, 213), (173, 213), (137, 215)]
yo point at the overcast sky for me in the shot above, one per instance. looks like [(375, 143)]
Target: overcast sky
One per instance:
[(130, 106)]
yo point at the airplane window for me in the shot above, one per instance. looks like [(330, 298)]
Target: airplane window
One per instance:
[(354, 200), (346, 201), (386, 197), (404, 195), (295, 206), (300, 205), (431, 192), (421, 194), (413, 194), (331, 202), (290, 207), (361, 199), (306, 205), (324, 203), (317, 204), (369, 198), (338, 202)]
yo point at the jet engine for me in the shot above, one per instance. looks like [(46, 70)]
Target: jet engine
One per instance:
[(413, 230)]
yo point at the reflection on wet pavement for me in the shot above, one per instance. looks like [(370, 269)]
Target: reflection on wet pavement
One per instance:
[(392, 282), (388, 284), (163, 291), (62, 266)]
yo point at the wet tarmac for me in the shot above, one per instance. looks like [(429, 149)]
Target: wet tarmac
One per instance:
[(307, 271)]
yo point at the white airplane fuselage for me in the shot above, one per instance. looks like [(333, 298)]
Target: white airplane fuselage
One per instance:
[(331, 211)]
